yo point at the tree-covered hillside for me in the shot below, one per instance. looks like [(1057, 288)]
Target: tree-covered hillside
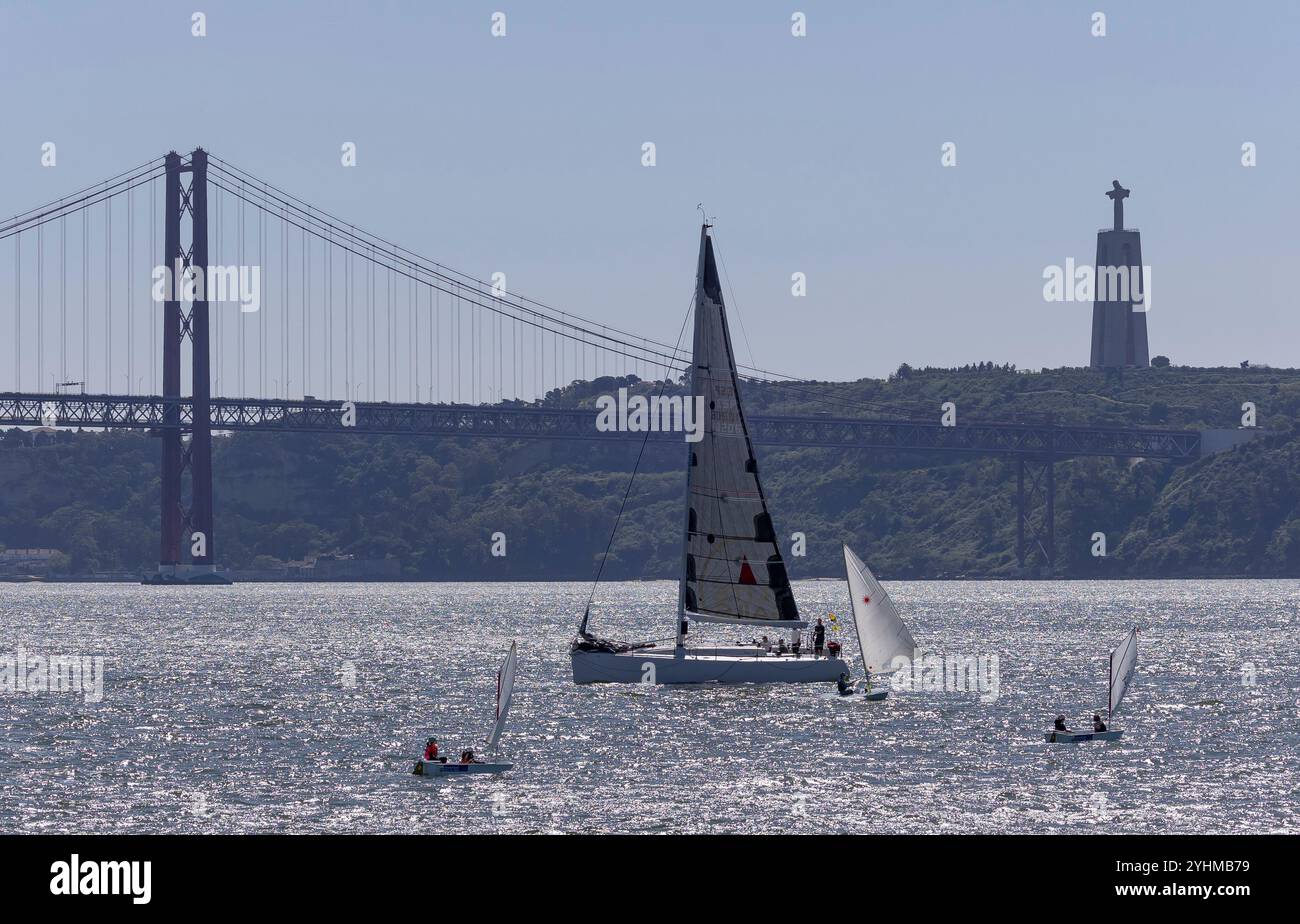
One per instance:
[(434, 504)]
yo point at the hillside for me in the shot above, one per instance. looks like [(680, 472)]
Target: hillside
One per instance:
[(434, 504)]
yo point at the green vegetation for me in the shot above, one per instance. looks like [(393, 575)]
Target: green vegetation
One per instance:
[(434, 504)]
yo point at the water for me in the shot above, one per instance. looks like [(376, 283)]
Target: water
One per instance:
[(230, 710)]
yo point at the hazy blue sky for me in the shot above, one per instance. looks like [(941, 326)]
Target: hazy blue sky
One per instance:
[(817, 154)]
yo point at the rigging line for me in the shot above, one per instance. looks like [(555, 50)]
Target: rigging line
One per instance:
[(631, 478), (412, 256), (683, 363), (55, 204)]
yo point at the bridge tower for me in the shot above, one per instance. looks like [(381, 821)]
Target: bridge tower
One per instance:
[(1036, 510), (178, 325)]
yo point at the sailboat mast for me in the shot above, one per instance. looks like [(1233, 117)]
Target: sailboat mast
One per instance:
[(1110, 689), (686, 484)]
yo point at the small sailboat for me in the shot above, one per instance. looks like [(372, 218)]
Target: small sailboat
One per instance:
[(732, 569), (505, 689), (1123, 662), (882, 634)]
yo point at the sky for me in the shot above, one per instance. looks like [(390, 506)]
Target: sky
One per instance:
[(817, 154)]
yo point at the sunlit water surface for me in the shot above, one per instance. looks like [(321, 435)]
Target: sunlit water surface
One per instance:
[(300, 708)]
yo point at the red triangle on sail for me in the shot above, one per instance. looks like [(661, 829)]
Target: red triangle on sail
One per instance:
[(746, 572), (866, 599)]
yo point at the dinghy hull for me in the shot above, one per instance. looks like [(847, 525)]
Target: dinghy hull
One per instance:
[(701, 666), (1056, 737), (436, 768)]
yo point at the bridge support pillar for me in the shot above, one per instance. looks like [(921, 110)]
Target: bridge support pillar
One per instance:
[(177, 325), (1036, 510)]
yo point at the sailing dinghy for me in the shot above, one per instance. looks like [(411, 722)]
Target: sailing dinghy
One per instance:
[(882, 634), (1123, 662), (732, 569), (505, 689)]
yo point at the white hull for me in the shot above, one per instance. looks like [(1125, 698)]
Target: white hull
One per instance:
[(702, 665), (1056, 737), (437, 768)]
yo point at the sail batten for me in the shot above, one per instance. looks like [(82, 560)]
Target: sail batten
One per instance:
[(732, 566)]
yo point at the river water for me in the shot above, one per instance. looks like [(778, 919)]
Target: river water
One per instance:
[(300, 707)]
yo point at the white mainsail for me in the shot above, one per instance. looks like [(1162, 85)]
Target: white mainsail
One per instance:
[(1123, 662), (732, 567), (882, 634), (505, 687)]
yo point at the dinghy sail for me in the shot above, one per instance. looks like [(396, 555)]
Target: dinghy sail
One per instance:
[(1123, 664), (1123, 661), (505, 689), (882, 634), (733, 570), (469, 764)]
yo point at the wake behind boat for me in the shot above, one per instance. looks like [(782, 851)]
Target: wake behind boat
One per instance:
[(505, 690), (732, 569), (1123, 663)]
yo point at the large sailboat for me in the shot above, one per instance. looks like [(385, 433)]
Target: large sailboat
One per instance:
[(732, 569)]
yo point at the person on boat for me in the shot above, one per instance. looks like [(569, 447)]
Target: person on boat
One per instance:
[(1060, 724), (431, 749), (866, 683), (467, 756), (1097, 724), (765, 644), (781, 648), (843, 685), (819, 637), (796, 643)]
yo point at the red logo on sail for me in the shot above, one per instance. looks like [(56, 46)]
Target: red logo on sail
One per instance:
[(866, 599), (746, 572)]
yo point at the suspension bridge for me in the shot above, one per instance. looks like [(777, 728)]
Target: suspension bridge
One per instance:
[(189, 269)]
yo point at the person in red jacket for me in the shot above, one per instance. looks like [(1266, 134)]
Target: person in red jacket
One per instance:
[(431, 749)]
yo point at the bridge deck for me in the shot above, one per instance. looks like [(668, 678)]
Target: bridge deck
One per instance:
[(527, 422)]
